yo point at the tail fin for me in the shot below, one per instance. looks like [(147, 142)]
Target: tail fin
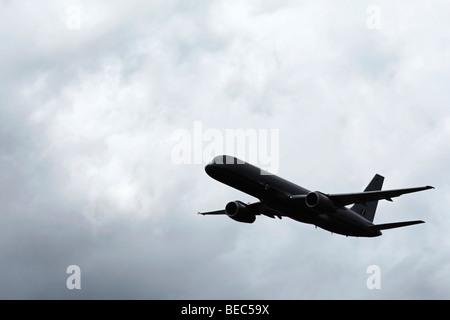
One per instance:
[(367, 210)]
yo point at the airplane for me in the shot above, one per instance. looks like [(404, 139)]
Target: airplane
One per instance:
[(281, 198)]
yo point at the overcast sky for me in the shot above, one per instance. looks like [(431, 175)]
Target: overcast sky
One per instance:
[(94, 97)]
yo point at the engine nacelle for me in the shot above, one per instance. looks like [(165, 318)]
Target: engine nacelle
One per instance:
[(320, 202), (239, 211)]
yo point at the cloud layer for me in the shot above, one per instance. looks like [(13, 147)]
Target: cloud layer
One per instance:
[(91, 97)]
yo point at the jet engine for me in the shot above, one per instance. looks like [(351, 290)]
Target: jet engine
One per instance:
[(239, 211), (318, 201)]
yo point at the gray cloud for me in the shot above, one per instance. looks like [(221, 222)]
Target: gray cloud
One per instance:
[(87, 177)]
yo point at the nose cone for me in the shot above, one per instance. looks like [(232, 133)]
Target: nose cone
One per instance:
[(221, 166), (208, 169), (211, 169)]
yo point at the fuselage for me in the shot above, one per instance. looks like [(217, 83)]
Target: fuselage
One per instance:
[(275, 192)]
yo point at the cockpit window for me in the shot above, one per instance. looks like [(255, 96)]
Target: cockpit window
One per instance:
[(219, 160), (224, 159)]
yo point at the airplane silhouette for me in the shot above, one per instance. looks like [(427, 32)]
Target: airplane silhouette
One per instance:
[(281, 198)]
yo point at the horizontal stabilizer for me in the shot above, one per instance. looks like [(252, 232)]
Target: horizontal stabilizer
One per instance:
[(213, 212), (395, 225)]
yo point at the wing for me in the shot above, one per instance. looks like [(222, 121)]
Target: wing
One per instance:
[(255, 208), (368, 196)]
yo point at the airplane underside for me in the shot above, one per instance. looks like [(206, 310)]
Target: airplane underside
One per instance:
[(281, 198)]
